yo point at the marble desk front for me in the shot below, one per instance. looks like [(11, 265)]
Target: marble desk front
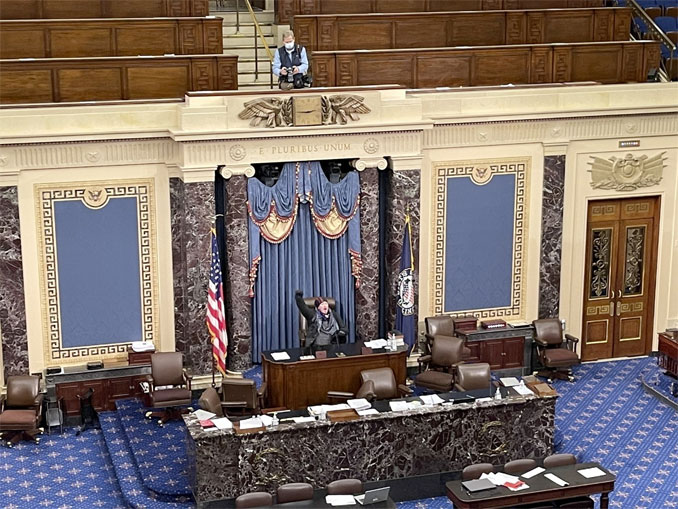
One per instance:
[(389, 445)]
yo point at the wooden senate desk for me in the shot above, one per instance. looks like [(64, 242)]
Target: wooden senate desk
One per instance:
[(540, 489), (387, 445), (296, 384), (668, 353)]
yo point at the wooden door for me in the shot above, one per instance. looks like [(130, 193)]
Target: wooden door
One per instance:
[(513, 352), (492, 352), (621, 253)]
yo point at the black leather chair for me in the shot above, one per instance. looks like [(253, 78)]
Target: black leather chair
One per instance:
[(555, 352), (303, 324), (294, 492), (170, 386), (20, 409)]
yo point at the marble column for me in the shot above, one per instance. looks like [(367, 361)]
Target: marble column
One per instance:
[(236, 280), (12, 301), (367, 295), (404, 191), (551, 236), (192, 209)]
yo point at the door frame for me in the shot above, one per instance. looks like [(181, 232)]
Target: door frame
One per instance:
[(578, 192)]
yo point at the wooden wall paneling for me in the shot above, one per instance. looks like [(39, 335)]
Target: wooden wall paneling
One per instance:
[(65, 9), (535, 27), (338, 7), (562, 64), (58, 9), (227, 73), (604, 26), (603, 64), (283, 11), (632, 65), (145, 39), (418, 32), (444, 71), (199, 8), (84, 83), (478, 29), (176, 7), (213, 36), (20, 9), (372, 34), (134, 8), (399, 5), (492, 5), (347, 71), (493, 68), (568, 26), (541, 65), (305, 32), (326, 33), (203, 74), (23, 43), (324, 70), (156, 81), (456, 5), (651, 57), (622, 24), (516, 28), (17, 86), (191, 36)]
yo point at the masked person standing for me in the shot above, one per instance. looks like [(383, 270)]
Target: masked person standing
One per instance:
[(290, 63)]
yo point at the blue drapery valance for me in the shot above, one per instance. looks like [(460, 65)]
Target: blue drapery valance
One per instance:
[(335, 209)]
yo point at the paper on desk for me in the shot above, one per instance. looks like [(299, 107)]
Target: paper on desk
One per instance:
[(523, 390), (359, 404), (203, 415), (399, 406), (376, 343), (222, 423), (266, 420), (303, 419), (591, 472), (509, 381), (369, 411), (431, 399), (252, 422), (280, 356), (335, 500), (306, 357), (556, 479), (532, 473), (522, 486), (499, 478)]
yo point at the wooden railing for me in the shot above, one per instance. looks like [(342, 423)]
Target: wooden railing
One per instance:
[(110, 37), (67, 9), (114, 78), (286, 9), (474, 28), (604, 62)]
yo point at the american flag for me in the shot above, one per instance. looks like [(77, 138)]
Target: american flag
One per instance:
[(216, 316)]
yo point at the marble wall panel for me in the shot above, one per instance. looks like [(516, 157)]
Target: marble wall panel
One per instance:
[(192, 208), (236, 280), (367, 295), (12, 301), (403, 192), (380, 447), (551, 236)]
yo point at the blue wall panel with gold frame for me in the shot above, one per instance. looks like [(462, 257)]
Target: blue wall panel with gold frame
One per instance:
[(98, 277)]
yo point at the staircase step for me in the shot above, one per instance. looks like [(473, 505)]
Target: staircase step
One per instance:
[(264, 79), (263, 17), (247, 52), (253, 87), (248, 66), (247, 41)]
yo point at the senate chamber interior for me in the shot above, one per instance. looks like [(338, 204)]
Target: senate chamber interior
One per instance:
[(312, 253)]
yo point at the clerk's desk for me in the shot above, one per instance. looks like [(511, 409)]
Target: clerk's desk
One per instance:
[(540, 489), (296, 384), (318, 502)]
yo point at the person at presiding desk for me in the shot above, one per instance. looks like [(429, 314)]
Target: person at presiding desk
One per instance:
[(325, 326)]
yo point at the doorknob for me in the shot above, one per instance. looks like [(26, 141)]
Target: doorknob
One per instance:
[(618, 307), (611, 308), (620, 294)]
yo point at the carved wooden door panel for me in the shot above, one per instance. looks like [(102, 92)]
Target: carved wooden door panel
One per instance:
[(620, 277)]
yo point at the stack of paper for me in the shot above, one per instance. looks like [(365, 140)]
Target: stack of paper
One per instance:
[(556, 479), (591, 472), (523, 390), (431, 399), (376, 343), (323, 409), (280, 356), (303, 419), (532, 473), (509, 381), (337, 500), (502, 479), (359, 404), (203, 415), (222, 423), (251, 423), (369, 411), (266, 420)]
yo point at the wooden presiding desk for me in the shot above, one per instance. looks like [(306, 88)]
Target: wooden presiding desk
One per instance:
[(296, 383), (540, 489)]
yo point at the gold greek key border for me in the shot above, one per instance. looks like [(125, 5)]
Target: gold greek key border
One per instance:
[(45, 195), (519, 166)]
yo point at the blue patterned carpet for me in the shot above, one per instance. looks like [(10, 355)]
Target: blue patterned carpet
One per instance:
[(604, 416)]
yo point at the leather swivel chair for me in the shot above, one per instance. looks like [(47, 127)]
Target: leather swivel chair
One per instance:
[(556, 460), (557, 355), (472, 376), (380, 383), (211, 402), (20, 409), (170, 386), (303, 324), (241, 395), (518, 467), (437, 326), (442, 363), (345, 487), (254, 499), (476, 470), (294, 492)]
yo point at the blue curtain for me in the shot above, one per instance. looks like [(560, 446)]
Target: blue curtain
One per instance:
[(283, 259)]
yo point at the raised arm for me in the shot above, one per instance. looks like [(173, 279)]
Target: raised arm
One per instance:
[(303, 308)]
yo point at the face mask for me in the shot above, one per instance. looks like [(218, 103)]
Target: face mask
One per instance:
[(289, 45)]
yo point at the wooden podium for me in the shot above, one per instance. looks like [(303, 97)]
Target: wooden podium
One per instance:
[(668, 353), (296, 383)]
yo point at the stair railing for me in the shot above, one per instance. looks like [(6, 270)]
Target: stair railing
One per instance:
[(258, 34)]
